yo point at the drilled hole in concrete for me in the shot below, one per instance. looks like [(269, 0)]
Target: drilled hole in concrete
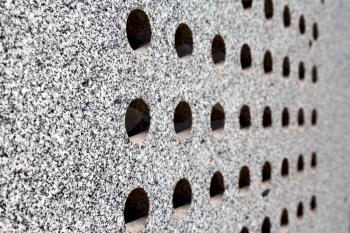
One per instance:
[(268, 62), (300, 165), (284, 218), (137, 120), (286, 67), (285, 117), (244, 117), (267, 117), (183, 120), (246, 57), (302, 26), (285, 168), (313, 203), (268, 9), (313, 160), (217, 120), (314, 117), (136, 210), (301, 120), (247, 3), (244, 178), (217, 189), (266, 172), (182, 198), (300, 210), (218, 50), (138, 29), (245, 230), (266, 226), (314, 74), (301, 71), (183, 41), (315, 31), (286, 16)]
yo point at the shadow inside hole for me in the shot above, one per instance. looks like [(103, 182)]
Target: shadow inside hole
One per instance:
[(246, 57), (218, 50), (244, 178), (313, 203), (244, 230), (268, 8), (315, 31), (285, 168), (217, 119), (138, 29), (314, 160), (314, 117), (286, 16), (183, 120), (300, 166), (301, 120), (266, 226), (137, 120), (136, 210), (244, 117), (314, 74), (300, 210), (284, 218), (183, 41), (268, 62), (286, 67), (247, 4), (302, 27), (182, 198), (285, 117), (266, 172), (267, 118), (301, 71), (217, 189)]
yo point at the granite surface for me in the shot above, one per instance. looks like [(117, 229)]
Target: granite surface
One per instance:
[(68, 74)]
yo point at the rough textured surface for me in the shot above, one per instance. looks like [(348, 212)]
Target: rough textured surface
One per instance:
[(68, 74)]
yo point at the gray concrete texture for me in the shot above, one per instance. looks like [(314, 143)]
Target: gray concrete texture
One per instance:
[(68, 75)]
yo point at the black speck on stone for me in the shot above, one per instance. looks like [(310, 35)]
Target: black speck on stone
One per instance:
[(265, 193)]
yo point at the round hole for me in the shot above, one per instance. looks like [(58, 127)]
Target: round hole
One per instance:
[(137, 120), (314, 74), (244, 178), (314, 117), (136, 210), (183, 120), (138, 29), (301, 117), (286, 67), (182, 198), (284, 218), (183, 41), (244, 230), (268, 8), (267, 117), (301, 71), (246, 57), (313, 160), (285, 117), (217, 120), (247, 3), (266, 172), (266, 226), (217, 189), (286, 16), (300, 210), (302, 27), (300, 163), (315, 31), (244, 117), (285, 168), (268, 62), (313, 203), (218, 50)]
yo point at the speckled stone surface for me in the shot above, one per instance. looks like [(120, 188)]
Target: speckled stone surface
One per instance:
[(68, 73)]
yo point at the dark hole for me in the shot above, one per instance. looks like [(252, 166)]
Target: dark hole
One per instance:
[(137, 119), (300, 210), (246, 59), (247, 3), (183, 41), (314, 74), (268, 8), (136, 205), (284, 218), (217, 186), (182, 194), (313, 160), (286, 67), (182, 118), (313, 203), (266, 226), (285, 117), (217, 117), (267, 117), (244, 177), (300, 163), (218, 50), (266, 172), (314, 117), (244, 230), (315, 31), (286, 16), (301, 117), (285, 167), (301, 71), (244, 117), (138, 29), (302, 27), (268, 63)]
